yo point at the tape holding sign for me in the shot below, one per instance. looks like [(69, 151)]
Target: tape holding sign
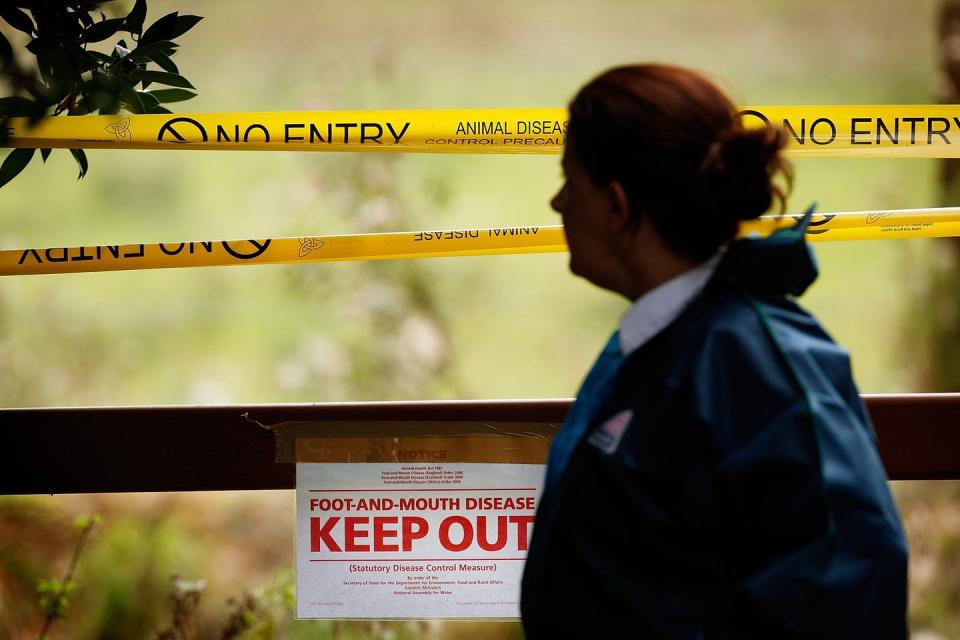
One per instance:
[(413, 518), (863, 225), (919, 131)]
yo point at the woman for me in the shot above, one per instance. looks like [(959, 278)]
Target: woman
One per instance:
[(717, 476)]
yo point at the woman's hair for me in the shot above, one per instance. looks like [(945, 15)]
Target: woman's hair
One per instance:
[(675, 143)]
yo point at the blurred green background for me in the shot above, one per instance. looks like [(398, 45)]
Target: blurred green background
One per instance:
[(492, 327)]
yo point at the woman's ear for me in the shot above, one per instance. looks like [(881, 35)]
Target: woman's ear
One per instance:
[(619, 207)]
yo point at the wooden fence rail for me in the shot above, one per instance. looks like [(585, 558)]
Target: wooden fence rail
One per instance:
[(182, 448)]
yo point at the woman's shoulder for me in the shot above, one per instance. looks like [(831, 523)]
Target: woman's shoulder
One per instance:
[(729, 339), (747, 315), (740, 339), (768, 346)]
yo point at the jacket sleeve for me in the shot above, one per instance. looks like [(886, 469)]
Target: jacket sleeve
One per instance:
[(821, 551)]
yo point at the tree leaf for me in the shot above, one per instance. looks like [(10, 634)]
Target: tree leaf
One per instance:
[(162, 29), (169, 79), (37, 46), (184, 24), (164, 62), (131, 99), (150, 101), (39, 113), (63, 75), (98, 57), (16, 18), (172, 95), (16, 106), (15, 162), (85, 18), (95, 97), (145, 50), (136, 16), (81, 159), (6, 51), (44, 154), (159, 109), (79, 109), (103, 30)]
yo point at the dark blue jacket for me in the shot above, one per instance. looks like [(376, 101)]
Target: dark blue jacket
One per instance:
[(746, 498)]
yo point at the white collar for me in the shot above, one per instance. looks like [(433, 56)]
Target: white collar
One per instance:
[(656, 309)]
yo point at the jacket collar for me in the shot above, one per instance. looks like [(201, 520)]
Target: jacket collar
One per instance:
[(780, 264), (655, 310)]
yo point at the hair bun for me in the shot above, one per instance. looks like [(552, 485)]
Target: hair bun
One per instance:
[(735, 179)]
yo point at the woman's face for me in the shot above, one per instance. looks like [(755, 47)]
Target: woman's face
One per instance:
[(583, 208)]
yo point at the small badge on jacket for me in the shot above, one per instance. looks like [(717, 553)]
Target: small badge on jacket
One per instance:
[(607, 436)]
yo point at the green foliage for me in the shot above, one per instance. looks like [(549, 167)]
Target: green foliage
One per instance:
[(74, 78), (86, 522), (126, 576), (15, 162), (53, 593), (269, 613), (243, 615), (53, 596)]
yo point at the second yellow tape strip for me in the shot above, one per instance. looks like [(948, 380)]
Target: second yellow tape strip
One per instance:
[(864, 225)]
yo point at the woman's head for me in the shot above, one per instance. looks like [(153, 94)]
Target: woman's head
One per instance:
[(674, 144)]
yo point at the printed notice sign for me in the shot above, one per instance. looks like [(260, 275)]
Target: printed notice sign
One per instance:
[(431, 540)]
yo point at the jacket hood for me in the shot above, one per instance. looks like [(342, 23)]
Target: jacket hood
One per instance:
[(780, 264)]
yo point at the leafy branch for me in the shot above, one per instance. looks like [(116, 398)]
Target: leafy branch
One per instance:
[(53, 593), (73, 78)]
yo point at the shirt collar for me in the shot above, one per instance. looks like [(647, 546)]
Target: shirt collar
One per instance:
[(656, 309)]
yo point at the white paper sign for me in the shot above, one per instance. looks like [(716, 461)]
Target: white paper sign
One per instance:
[(433, 540)]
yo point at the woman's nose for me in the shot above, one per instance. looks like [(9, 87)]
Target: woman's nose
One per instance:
[(557, 201)]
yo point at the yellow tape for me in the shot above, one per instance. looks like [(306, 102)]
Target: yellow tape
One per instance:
[(434, 130), (922, 131), (864, 225)]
